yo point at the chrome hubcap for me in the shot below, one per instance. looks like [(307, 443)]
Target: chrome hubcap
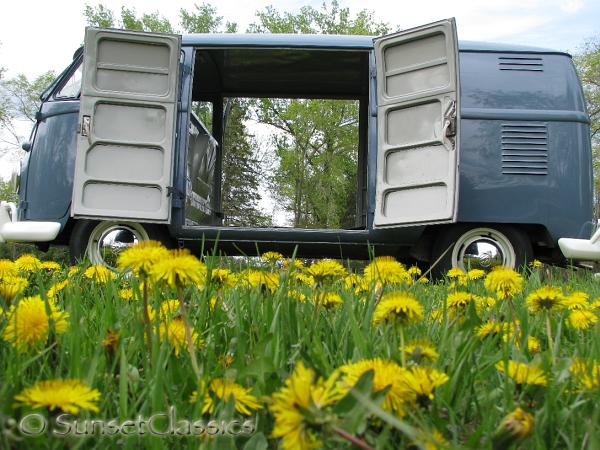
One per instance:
[(108, 241), (483, 254), (483, 248)]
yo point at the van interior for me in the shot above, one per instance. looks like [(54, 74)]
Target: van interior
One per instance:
[(278, 138)]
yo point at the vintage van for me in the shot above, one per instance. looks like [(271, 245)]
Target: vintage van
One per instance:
[(469, 153)]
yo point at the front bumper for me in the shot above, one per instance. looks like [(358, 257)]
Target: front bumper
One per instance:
[(12, 230), (581, 249)]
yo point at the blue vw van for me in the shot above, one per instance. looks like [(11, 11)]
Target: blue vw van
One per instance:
[(469, 154)]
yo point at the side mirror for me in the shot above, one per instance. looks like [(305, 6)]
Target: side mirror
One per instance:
[(26, 146)]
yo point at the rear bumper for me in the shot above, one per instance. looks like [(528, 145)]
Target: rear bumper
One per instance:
[(581, 249), (12, 230)]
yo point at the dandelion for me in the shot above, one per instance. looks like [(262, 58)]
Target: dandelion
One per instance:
[(73, 270), (430, 441), (29, 322), (328, 299), (126, 294), (455, 273), (140, 258), (261, 279), (352, 281), (293, 264), (513, 428), (577, 300), (50, 266), (492, 328), (523, 373), (475, 274), (581, 319), (7, 269), (326, 269), (168, 308), (546, 298), (400, 307), (421, 352), (423, 381), (179, 268), (69, 396), (385, 271), (457, 302), (221, 389), (533, 344), (484, 303), (536, 264), (386, 374), (223, 277), (586, 373), (110, 343), (272, 257), (28, 263), (414, 271), (56, 288), (11, 286), (298, 408), (99, 274), (175, 333), (296, 295), (303, 278), (504, 282)]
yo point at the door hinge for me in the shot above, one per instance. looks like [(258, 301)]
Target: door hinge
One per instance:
[(373, 72), (177, 196)]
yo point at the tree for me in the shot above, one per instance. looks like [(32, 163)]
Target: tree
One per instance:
[(587, 62), (316, 145)]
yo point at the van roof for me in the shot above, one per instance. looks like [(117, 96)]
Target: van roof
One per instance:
[(334, 40)]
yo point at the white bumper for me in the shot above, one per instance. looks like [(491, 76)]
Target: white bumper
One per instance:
[(29, 231), (581, 249)]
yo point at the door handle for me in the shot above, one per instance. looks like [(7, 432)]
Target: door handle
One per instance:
[(449, 128), (86, 122)]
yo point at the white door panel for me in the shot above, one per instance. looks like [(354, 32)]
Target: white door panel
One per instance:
[(417, 94), (127, 125)]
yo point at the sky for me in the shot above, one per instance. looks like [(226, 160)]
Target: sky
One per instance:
[(37, 36)]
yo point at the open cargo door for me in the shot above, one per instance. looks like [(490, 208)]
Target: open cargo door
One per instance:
[(417, 109), (126, 129)]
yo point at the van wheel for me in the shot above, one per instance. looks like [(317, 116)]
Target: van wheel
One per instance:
[(102, 242), (481, 248)]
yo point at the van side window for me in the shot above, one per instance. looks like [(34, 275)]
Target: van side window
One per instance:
[(72, 87)]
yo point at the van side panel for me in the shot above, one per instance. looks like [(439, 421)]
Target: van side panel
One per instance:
[(525, 154)]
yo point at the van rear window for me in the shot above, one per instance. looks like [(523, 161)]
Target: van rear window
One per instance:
[(72, 87)]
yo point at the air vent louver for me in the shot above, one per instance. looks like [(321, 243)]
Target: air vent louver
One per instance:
[(524, 148), (521, 63)]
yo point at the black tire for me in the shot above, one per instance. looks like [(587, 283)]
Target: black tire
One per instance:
[(453, 244), (85, 236)]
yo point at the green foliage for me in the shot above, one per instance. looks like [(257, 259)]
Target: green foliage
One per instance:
[(99, 16), (203, 20)]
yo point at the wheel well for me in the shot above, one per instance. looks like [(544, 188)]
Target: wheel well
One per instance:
[(544, 247)]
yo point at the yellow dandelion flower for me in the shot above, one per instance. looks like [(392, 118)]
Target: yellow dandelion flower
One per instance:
[(110, 343), (533, 344), (223, 277), (126, 294), (69, 396), (422, 382), (420, 352), (385, 271), (179, 268), (174, 330), (303, 278), (293, 264), (8, 269), (56, 288), (401, 307), (50, 266), (11, 286), (577, 300), (272, 257), (595, 305), (536, 264), (385, 374), (302, 392), (296, 295), (221, 389), (99, 274), (513, 428), (484, 303), (168, 308), (456, 272), (523, 373), (140, 258), (581, 319), (493, 328), (29, 322), (504, 282), (475, 274), (73, 270), (414, 271), (263, 280), (586, 373), (28, 263), (546, 298), (326, 269), (430, 441), (352, 281), (328, 299), (458, 301)]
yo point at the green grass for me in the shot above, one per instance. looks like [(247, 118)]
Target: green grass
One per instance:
[(267, 333)]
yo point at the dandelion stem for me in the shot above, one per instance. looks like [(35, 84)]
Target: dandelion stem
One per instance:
[(352, 439), (188, 333), (147, 317), (549, 333), (402, 357)]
